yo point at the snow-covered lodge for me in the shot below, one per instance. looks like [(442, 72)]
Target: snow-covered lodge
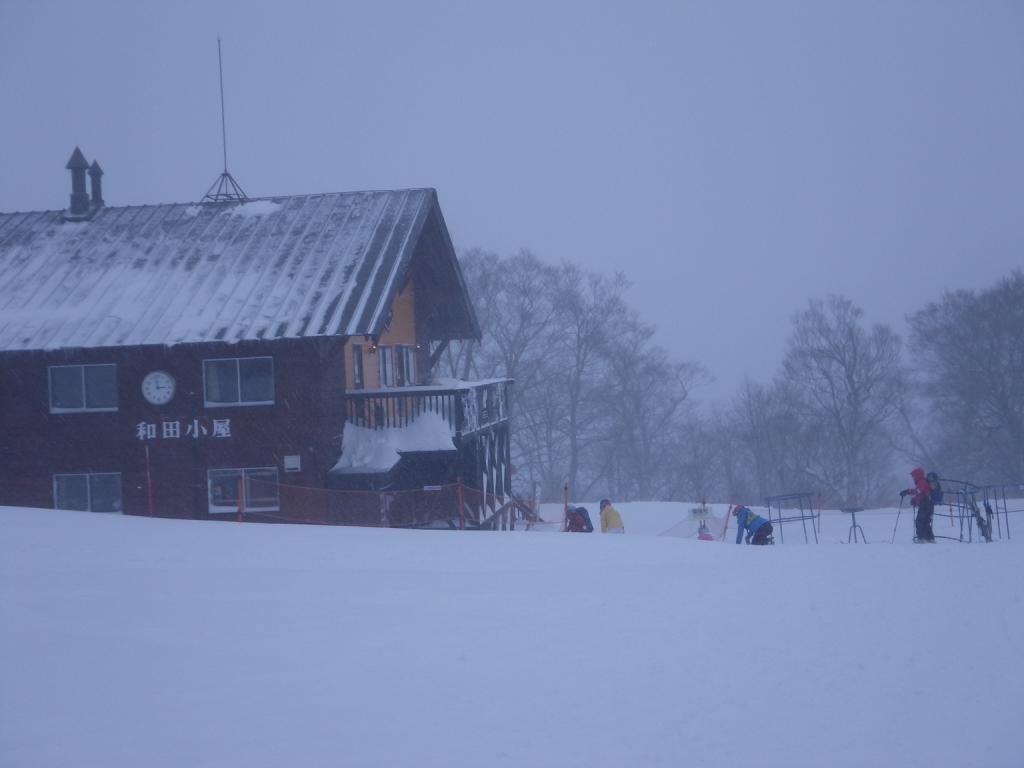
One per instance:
[(200, 359)]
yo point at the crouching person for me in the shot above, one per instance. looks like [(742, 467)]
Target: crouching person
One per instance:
[(758, 530), (611, 520), (577, 520)]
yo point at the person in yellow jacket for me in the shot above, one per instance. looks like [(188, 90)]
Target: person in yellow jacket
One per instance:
[(611, 521)]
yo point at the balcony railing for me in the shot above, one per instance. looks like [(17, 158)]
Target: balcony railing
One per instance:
[(467, 408)]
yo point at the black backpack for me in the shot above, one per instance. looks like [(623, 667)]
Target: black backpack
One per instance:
[(937, 490)]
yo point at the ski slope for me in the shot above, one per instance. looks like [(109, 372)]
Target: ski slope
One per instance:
[(132, 642)]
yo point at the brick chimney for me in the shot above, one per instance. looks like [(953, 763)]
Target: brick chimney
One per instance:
[(95, 185), (79, 199)]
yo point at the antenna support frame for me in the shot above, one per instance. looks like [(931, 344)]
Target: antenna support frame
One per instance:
[(225, 189)]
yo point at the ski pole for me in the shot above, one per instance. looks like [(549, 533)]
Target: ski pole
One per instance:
[(898, 510)]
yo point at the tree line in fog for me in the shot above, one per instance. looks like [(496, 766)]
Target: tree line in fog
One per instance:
[(599, 406)]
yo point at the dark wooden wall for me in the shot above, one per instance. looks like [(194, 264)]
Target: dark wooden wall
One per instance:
[(306, 418)]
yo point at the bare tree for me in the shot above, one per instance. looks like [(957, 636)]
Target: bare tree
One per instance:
[(482, 273), (776, 440), (514, 300), (735, 480), (699, 461), (595, 403), (646, 396), (521, 348), (589, 307), (970, 362), (848, 380)]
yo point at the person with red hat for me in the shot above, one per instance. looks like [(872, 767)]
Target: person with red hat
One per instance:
[(921, 500), (758, 530)]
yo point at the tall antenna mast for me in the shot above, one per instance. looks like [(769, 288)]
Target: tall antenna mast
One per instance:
[(225, 188), (223, 121)]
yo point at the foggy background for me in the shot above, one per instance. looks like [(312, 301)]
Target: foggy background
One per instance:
[(732, 159)]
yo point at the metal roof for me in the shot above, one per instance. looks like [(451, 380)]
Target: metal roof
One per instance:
[(309, 265)]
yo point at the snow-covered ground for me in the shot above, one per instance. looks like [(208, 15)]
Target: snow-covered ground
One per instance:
[(141, 642)]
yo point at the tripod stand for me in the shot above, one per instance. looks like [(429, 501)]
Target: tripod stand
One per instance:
[(854, 526)]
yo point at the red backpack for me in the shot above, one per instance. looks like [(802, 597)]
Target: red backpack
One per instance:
[(578, 521)]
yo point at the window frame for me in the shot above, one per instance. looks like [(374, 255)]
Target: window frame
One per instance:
[(89, 491), (242, 472), (386, 366), (84, 407), (238, 381), (408, 355), (358, 367)]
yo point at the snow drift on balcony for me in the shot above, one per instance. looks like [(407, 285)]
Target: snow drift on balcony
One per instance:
[(377, 450)]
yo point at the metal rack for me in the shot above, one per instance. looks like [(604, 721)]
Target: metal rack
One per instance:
[(997, 502), (793, 507)]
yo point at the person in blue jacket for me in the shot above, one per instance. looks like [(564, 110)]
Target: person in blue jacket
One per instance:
[(758, 529)]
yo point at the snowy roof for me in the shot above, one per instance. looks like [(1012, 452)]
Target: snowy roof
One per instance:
[(310, 265)]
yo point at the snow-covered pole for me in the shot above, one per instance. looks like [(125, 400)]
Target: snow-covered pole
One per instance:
[(565, 508), (898, 510)]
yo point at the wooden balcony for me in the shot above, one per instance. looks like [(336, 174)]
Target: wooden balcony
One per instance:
[(468, 407)]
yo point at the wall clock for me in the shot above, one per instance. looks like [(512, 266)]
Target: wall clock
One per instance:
[(158, 387)]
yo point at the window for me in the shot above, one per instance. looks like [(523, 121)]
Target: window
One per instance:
[(239, 381), (258, 486), (357, 366), (83, 388), (386, 365), (405, 363), (397, 366), (408, 365), (99, 492)]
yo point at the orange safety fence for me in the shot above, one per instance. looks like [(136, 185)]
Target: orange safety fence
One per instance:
[(453, 506), (254, 499)]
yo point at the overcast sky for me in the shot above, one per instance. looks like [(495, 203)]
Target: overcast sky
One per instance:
[(732, 159)]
